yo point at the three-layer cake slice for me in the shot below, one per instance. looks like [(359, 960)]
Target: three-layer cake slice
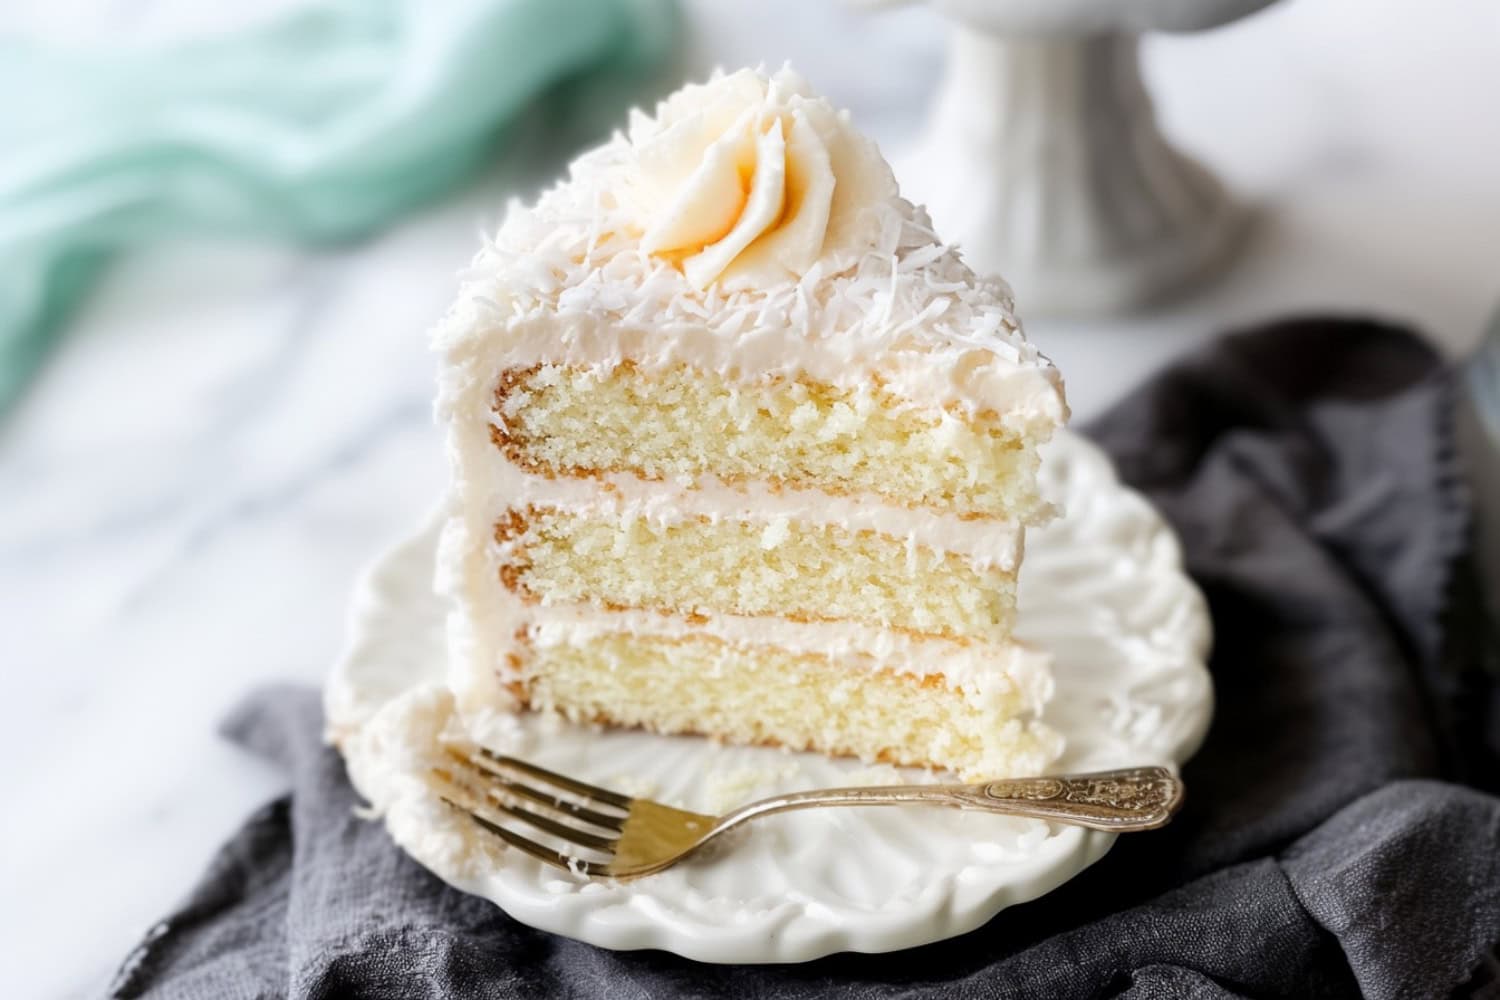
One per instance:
[(741, 449)]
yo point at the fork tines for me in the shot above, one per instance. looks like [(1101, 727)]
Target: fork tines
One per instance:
[(490, 788)]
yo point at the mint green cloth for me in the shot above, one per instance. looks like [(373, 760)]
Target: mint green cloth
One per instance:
[(322, 125)]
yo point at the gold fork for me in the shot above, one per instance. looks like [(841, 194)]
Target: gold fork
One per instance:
[(619, 836)]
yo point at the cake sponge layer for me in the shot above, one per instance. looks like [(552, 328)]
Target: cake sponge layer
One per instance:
[(767, 695), (810, 572), (681, 422)]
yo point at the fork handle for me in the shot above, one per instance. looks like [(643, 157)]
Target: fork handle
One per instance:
[(1137, 798)]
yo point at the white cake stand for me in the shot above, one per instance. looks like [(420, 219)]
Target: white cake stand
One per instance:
[(1041, 155)]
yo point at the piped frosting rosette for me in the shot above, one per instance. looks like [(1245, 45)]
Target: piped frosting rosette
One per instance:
[(748, 181)]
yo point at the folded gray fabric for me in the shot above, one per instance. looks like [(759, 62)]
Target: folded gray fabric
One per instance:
[(1341, 836)]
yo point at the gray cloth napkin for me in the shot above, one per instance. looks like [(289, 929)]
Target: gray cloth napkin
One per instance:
[(1340, 836)]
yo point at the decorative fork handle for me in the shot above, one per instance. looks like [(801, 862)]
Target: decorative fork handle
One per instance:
[(1137, 798)]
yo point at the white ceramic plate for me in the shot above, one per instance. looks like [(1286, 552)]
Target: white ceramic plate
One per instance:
[(1102, 588)]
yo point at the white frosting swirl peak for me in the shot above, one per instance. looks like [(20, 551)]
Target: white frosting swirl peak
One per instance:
[(749, 181)]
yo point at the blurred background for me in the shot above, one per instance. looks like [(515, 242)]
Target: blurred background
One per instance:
[(215, 383)]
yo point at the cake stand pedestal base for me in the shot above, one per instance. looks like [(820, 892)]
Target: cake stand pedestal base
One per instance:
[(1042, 159)]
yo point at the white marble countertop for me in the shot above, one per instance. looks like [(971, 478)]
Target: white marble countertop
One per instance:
[(230, 433)]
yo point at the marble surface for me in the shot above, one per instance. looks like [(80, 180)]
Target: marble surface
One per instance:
[(230, 433)]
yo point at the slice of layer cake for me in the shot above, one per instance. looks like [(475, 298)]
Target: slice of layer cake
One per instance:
[(741, 449)]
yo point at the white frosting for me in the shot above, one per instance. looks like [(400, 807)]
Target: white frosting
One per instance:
[(749, 181), (389, 756), (569, 280), (981, 667), (986, 542), (648, 254)]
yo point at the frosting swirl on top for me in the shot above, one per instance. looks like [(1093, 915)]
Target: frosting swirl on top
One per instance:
[(749, 181), (883, 298)]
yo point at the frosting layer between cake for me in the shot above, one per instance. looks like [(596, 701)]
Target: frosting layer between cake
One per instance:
[(985, 542)]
